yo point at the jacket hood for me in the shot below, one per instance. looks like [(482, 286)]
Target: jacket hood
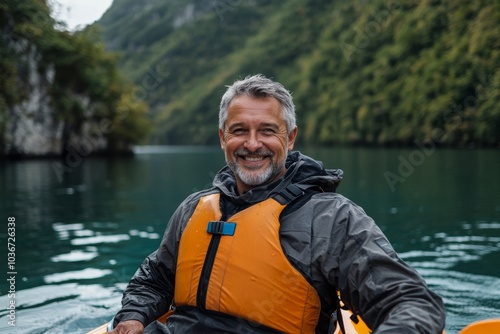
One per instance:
[(301, 170)]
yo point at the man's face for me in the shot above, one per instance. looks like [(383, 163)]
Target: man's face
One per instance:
[(255, 141)]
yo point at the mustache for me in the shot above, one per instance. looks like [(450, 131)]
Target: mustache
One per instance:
[(257, 153)]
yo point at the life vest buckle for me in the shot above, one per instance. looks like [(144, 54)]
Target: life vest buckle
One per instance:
[(221, 227)]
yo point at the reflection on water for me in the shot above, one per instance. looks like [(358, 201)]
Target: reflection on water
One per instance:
[(452, 251), (448, 262), (80, 238), (64, 308)]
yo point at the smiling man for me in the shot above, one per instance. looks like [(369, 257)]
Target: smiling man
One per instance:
[(255, 139), (269, 246)]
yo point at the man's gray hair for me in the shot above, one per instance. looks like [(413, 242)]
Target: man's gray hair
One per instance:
[(259, 86)]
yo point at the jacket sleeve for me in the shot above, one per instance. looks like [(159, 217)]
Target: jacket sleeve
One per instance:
[(389, 295), (150, 292)]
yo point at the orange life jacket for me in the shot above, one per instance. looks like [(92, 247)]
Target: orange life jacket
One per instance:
[(238, 267)]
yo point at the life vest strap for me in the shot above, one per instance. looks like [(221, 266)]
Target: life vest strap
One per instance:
[(288, 194)]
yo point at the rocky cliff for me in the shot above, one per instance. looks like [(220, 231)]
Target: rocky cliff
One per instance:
[(33, 128), (61, 93)]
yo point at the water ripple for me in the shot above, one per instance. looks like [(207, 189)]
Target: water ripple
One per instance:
[(87, 273), (74, 256), (100, 239)]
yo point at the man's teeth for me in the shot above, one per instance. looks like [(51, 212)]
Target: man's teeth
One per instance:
[(247, 158)]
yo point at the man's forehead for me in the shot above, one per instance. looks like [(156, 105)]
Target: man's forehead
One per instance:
[(262, 123), (260, 111), (249, 101)]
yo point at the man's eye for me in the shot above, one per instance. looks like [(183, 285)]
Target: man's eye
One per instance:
[(267, 131), (238, 131)]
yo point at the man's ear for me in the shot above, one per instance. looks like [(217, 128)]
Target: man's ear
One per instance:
[(291, 138), (221, 138)]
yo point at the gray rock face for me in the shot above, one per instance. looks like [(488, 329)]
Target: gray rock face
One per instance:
[(33, 128)]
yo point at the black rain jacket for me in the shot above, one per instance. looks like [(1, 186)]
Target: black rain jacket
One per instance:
[(331, 240)]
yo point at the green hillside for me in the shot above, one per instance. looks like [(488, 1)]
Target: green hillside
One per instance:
[(361, 72), (71, 80)]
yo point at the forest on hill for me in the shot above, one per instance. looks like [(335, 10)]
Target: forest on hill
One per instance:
[(380, 72)]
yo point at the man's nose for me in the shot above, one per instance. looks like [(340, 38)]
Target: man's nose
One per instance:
[(253, 142)]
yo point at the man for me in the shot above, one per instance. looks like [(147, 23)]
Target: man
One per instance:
[(266, 249)]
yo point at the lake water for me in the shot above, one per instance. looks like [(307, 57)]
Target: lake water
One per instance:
[(81, 232)]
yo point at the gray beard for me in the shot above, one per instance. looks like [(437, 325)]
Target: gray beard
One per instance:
[(256, 178)]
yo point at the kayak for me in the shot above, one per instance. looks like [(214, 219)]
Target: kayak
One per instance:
[(350, 326), (488, 326), (99, 330)]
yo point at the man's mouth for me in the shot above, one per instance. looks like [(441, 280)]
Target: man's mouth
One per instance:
[(256, 156), (253, 158)]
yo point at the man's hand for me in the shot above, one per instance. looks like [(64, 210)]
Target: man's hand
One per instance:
[(128, 327)]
